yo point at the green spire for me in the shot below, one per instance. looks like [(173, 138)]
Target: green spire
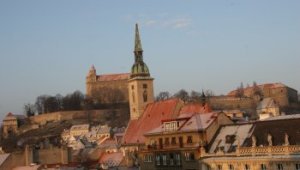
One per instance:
[(139, 68), (137, 43)]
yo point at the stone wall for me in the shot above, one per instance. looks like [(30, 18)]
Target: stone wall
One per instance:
[(71, 115), (53, 155), (108, 91), (228, 103)]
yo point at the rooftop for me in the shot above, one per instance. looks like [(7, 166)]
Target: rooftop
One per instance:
[(150, 119), (113, 77)]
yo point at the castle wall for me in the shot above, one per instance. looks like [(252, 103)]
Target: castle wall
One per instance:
[(225, 102), (70, 115), (108, 91)]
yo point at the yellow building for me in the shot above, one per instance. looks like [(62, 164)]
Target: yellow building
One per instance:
[(272, 144), (176, 143)]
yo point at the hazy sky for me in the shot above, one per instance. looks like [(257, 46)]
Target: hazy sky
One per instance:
[(47, 47)]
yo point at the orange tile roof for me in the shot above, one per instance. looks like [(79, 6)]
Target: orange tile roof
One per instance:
[(113, 77), (150, 119), (195, 108)]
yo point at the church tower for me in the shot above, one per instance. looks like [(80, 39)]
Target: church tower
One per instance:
[(90, 81), (140, 84)]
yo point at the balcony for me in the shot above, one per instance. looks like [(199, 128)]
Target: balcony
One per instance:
[(176, 146)]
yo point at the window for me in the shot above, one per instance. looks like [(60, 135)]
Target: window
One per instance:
[(164, 158), (247, 167), (189, 139), (171, 159), (144, 86), (279, 167), (133, 97), (263, 167), (157, 158), (230, 167), (173, 141), (145, 96), (297, 166), (178, 159), (148, 158), (229, 139), (160, 142), (170, 126), (219, 167), (167, 141), (189, 156)]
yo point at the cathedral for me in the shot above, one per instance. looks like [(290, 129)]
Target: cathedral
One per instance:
[(135, 88)]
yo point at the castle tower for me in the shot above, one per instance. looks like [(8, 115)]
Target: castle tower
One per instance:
[(140, 84), (90, 80)]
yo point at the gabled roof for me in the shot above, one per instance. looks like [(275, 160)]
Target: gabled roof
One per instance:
[(266, 103), (108, 144), (150, 119), (113, 77), (194, 123)]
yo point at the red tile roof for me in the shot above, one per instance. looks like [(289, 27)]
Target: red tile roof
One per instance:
[(150, 119), (195, 108), (113, 77)]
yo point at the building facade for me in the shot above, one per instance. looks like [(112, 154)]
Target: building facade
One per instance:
[(177, 142), (271, 144), (107, 88)]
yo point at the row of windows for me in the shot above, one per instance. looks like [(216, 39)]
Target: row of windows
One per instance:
[(262, 167), (174, 141), (144, 86), (169, 159)]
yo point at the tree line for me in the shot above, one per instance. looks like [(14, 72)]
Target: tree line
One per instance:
[(47, 103), (185, 95)]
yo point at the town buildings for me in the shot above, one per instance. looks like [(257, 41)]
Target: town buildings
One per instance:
[(169, 134)]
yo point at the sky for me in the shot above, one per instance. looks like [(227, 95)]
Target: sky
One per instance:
[(47, 47)]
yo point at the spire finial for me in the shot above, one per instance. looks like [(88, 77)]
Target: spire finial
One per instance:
[(137, 43)]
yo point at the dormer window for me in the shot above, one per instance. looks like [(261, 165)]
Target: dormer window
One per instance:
[(171, 126)]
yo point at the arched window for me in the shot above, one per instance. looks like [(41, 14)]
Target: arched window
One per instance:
[(133, 98), (145, 96)]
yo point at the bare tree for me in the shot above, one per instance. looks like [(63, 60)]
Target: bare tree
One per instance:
[(164, 95), (256, 90), (40, 104), (195, 96), (240, 91), (73, 101), (209, 93), (29, 109), (183, 95)]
